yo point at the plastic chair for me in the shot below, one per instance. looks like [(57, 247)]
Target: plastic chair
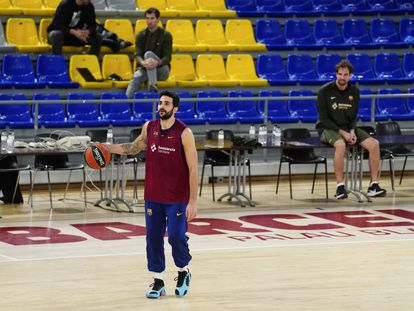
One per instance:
[(299, 7), (298, 33), (328, 34), (159, 4), (408, 65), (364, 111), (239, 32), (300, 68), (16, 116), (118, 114), (84, 114), (305, 109), (51, 115), (272, 8), (123, 29), (244, 8), (387, 66), (295, 155), (118, 68), (327, 6), (277, 111), (7, 8), (18, 69), (186, 111), (53, 4), (240, 67), (22, 33), (209, 32), (214, 8), (143, 110), (245, 111), (185, 8), (33, 7), (355, 33), (383, 6), (91, 63), (406, 30), (214, 112), (121, 5), (52, 70), (183, 35), (395, 108), (211, 68), (363, 71), (356, 7), (183, 72), (405, 5), (325, 66), (384, 33), (44, 23), (270, 32), (271, 68)]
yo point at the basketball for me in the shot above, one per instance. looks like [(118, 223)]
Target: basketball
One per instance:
[(97, 156)]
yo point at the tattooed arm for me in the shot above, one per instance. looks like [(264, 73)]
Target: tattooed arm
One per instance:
[(140, 143)]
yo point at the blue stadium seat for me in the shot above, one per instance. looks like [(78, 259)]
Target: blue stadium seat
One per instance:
[(305, 109), (299, 7), (410, 101), (52, 70), (355, 32), (364, 111), (214, 112), (387, 66), (143, 110), (331, 7), (300, 68), (84, 114), (384, 33), (383, 6), (395, 108), (406, 30), (328, 34), (118, 114), (271, 68), (51, 115), (270, 32), (356, 7), (363, 72), (271, 8), (244, 111), (186, 111), (408, 65), (16, 116), (277, 111), (325, 66), (18, 69), (405, 5), (244, 8), (298, 33)]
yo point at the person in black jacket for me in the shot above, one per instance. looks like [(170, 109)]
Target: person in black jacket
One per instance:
[(74, 23)]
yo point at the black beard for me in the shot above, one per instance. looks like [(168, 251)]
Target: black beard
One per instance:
[(166, 115)]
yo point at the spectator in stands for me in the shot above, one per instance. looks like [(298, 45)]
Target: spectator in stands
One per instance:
[(74, 23), (338, 103), (153, 48)]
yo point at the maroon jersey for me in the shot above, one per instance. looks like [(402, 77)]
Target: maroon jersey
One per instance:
[(166, 169)]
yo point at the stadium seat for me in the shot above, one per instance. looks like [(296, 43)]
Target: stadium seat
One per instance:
[(4, 46), (408, 65), (214, 8), (269, 32), (159, 4), (277, 111), (406, 30), (405, 5), (305, 109), (117, 67), (18, 69), (355, 33), (364, 111), (383, 6), (91, 63), (300, 68), (7, 8), (183, 35), (123, 29), (384, 33), (186, 111), (118, 114), (327, 33), (52, 70), (325, 66), (185, 8), (22, 33), (210, 32), (44, 23), (211, 68), (51, 115), (143, 110), (214, 112), (271, 8), (84, 114), (240, 67), (16, 116), (395, 108), (299, 7), (51, 5), (183, 72), (271, 68), (121, 5), (331, 7), (298, 33), (33, 7), (244, 8), (363, 71), (356, 7), (239, 32), (245, 111), (387, 66)]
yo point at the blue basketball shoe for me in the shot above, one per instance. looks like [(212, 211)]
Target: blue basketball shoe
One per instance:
[(183, 283), (156, 289)]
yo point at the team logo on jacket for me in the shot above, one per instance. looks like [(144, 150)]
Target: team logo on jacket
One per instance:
[(149, 212), (351, 98), (155, 133), (153, 147), (334, 106)]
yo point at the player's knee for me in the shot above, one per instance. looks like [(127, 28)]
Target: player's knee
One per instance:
[(340, 146)]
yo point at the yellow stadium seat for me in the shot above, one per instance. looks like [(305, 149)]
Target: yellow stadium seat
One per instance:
[(182, 32), (119, 65), (44, 23), (210, 68), (52, 4), (214, 8), (22, 33), (92, 64), (159, 4), (33, 7), (185, 8), (182, 71), (6, 8), (210, 33), (239, 32), (123, 29), (141, 24), (240, 67)]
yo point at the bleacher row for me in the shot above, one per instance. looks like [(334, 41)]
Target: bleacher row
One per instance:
[(115, 110)]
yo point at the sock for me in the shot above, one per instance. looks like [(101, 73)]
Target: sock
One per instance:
[(373, 182), (340, 184), (183, 269), (159, 275)]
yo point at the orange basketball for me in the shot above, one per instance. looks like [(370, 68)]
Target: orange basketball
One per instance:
[(97, 156)]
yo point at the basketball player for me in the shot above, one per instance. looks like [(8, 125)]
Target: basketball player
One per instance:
[(171, 180)]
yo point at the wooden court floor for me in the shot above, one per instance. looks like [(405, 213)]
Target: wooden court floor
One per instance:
[(308, 253)]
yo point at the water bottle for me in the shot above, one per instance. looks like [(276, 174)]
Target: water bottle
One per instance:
[(3, 141), (220, 138), (109, 136), (252, 132), (262, 134), (276, 135), (10, 142)]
